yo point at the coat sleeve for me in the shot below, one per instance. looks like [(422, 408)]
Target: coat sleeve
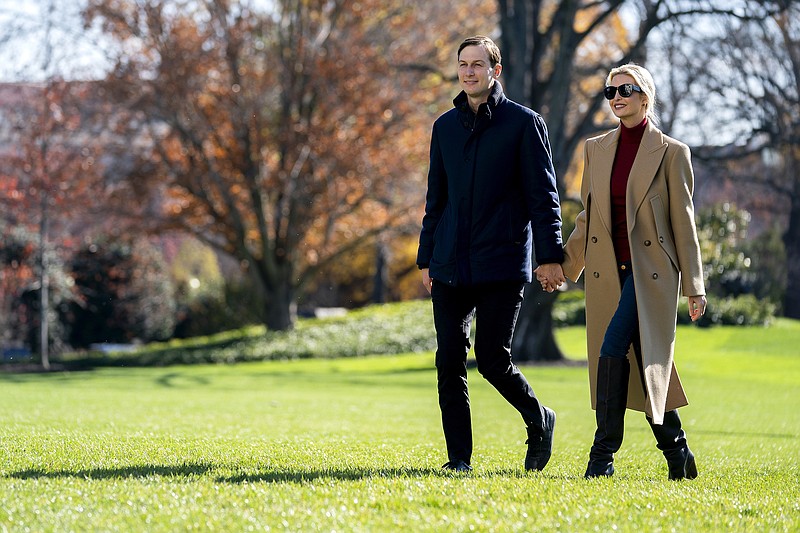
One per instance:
[(541, 193), (680, 180), (575, 249), (435, 202)]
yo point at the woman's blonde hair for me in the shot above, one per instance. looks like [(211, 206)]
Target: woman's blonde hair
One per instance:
[(644, 80)]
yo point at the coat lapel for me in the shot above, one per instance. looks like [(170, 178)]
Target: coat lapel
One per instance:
[(601, 175), (644, 170)]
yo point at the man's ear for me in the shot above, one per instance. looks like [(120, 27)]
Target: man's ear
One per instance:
[(498, 68)]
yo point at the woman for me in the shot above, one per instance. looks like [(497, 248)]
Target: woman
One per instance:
[(637, 241)]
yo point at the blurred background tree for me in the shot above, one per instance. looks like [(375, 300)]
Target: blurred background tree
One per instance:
[(124, 294), (735, 264), (747, 71)]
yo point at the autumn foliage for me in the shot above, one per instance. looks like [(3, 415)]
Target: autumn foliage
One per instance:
[(286, 138), (47, 184)]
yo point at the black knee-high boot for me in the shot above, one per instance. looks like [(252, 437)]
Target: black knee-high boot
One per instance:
[(612, 399), (671, 440)]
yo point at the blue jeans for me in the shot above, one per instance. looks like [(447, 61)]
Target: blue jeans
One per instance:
[(624, 326)]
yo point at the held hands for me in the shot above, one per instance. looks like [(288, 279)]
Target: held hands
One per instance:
[(697, 307), (551, 276)]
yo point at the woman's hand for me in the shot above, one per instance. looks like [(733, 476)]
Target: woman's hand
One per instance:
[(550, 276), (697, 307)]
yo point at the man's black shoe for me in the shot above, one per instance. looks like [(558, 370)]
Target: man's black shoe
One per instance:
[(457, 466), (540, 442)]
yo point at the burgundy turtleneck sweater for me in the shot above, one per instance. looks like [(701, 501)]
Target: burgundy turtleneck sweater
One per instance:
[(628, 145)]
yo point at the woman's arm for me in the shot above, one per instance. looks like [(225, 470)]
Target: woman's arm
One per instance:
[(680, 180), (575, 248)]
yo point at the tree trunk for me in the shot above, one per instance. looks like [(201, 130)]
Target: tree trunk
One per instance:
[(516, 21), (44, 286), (791, 241), (280, 308), (523, 49), (381, 278), (276, 285), (533, 338)]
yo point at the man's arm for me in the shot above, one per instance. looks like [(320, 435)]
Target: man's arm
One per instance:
[(541, 192), (435, 201)]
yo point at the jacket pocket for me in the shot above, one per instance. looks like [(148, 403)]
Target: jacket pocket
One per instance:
[(664, 229)]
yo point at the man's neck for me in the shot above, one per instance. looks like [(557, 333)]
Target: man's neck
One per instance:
[(474, 104)]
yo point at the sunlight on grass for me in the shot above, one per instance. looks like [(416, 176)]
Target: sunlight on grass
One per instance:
[(355, 445)]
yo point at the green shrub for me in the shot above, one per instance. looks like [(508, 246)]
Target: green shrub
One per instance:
[(125, 293), (744, 310), (377, 329), (395, 328), (722, 231), (768, 253), (570, 309)]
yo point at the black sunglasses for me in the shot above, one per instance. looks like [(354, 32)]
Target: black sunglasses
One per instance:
[(625, 90)]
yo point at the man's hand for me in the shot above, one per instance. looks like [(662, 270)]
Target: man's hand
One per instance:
[(551, 276), (427, 281)]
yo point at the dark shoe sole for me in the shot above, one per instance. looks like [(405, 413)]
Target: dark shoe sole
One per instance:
[(457, 466)]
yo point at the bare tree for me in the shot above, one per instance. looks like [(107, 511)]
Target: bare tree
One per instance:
[(748, 71)]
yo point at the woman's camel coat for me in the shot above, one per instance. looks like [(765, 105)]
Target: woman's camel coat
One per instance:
[(664, 252)]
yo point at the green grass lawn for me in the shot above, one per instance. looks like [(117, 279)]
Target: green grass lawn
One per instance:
[(355, 445)]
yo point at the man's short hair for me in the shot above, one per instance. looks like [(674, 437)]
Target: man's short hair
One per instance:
[(487, 43)]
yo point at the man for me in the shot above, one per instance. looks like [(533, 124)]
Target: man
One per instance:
[(491, 192)]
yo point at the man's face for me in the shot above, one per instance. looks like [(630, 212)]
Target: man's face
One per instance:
[(475, 72)]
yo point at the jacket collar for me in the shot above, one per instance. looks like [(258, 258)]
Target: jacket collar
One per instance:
[(652, 139), (496, 97), (645, 167)]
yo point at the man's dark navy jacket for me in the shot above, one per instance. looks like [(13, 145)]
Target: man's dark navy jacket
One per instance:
[(491, 191)]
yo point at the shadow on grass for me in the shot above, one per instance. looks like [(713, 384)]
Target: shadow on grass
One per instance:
[(141, 471), (355, 474), (269, 475), (345, 474)]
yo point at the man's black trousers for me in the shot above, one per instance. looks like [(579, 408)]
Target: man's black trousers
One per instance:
[(495, 307)]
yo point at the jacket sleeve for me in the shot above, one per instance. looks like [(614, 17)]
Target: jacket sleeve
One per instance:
[(680, 180), (575, 249), (435, 202), (541, 193)]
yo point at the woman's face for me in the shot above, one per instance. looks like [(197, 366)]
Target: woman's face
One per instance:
[(631, 110)]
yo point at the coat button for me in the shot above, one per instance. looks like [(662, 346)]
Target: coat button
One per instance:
[(647, 243), (655, 276), (596, 274), (594, 239), (661, 240)]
